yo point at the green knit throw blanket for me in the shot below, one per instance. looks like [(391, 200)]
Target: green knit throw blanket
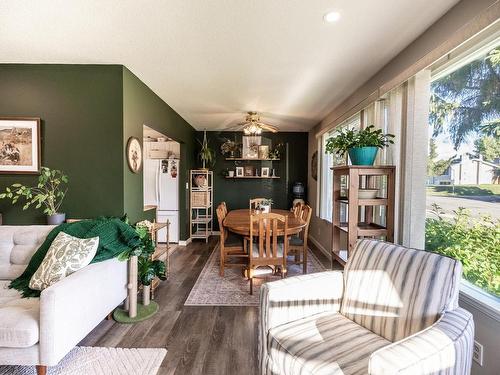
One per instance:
[(115, 237)]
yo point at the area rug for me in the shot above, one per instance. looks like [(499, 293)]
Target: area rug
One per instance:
[(233, 289), (100, 361)]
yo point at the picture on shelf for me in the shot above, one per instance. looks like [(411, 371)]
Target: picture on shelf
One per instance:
[(249, 171), (239, 172), (251, 147), (265, 172), (263, 152)]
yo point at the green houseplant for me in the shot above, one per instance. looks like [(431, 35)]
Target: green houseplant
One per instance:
[(361, 145), (49, 193), (206, 154), (147, 268)]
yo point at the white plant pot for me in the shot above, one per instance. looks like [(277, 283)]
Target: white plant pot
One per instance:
[(146, 295)]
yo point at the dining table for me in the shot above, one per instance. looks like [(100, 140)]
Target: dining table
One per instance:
[(238, 221)]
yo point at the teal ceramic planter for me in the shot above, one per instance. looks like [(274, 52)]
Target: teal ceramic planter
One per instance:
[(362, 155)]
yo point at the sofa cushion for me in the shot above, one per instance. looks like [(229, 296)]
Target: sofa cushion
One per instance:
[(326, 343), (394, 291), (66, 254), (19, 318), (17, 245)]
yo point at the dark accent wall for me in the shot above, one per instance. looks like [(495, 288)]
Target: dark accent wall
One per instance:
[(141, 106), (291, 167), (88, 112), (81, 111)]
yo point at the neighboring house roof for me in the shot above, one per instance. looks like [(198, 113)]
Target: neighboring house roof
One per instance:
[(486, 163)]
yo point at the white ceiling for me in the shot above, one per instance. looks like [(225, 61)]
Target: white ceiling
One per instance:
[(213, 60)]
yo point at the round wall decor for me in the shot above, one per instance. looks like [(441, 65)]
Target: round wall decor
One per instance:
[(134, 154)]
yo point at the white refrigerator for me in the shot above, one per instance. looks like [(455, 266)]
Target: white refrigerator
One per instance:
[(161, 189)]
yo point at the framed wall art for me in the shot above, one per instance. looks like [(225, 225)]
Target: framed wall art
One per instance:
[(265, 172), (20, 151), (239, 171), (134, 154)]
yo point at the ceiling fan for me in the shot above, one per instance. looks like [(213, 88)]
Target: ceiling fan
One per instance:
[(253, 126)]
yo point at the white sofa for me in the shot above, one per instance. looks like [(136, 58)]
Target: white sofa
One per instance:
[(41, 331)]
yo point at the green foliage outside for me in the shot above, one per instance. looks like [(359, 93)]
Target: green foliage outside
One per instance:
[(475, 242), (436, 167), (488, 147), (466, 101)]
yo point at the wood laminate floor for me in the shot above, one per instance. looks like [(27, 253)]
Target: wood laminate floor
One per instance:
[(199, 339)]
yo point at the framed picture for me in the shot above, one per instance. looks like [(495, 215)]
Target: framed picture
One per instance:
[(239, 172), (251, 147), (265, 172), (263, 152), (249, 171), (134, 154), (20, 145)]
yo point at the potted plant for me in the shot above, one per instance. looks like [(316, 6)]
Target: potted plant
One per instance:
[(275, 153), (265, 206), (206, 154), (49, 193), (230, 148), (361, 145), (147, 269)]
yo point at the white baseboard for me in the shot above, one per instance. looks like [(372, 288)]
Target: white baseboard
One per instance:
[(185, 243), (320, 246)]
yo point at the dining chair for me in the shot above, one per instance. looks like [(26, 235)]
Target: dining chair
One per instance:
[(255, 202), (298, 243), (269, 248), (231, 245), (224, 206), (297, 208)]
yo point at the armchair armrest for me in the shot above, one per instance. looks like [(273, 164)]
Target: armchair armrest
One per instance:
[(71, 308), (297, 297), (444, 347)]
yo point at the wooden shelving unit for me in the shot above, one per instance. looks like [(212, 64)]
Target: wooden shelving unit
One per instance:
[(358, 220), (201, 205)]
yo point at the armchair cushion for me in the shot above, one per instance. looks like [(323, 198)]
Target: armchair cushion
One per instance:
[(443, 348), (326, 343), (395, 292)]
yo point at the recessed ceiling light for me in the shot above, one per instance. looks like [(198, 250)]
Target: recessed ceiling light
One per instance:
[(331, 17)]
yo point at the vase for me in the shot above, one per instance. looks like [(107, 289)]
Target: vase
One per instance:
[(362, 155), (146, 295), (56, 219), (200, 180)]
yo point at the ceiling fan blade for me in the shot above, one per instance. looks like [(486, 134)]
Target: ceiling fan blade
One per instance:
[(268, 127)]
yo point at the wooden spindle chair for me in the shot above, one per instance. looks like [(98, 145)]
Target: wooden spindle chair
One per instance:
[(270, 247), (298, 243), (231, 245), (297, 209), (254, 203)]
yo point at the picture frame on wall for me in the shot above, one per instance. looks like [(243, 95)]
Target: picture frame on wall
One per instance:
[(264, 172), (20, 149), (134, 154), (239, 172), (249, 171), (251, 147)]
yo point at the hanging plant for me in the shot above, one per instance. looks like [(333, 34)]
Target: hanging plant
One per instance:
[(206, 154)]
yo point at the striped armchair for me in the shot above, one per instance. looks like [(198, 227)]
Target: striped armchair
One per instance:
[(392, 310)]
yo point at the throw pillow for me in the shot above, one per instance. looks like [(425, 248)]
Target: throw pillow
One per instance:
[(66, 254)]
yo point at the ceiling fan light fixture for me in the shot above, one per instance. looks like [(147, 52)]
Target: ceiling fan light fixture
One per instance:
[(252, 129)]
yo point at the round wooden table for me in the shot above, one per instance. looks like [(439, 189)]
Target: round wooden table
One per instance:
[(238, 221)]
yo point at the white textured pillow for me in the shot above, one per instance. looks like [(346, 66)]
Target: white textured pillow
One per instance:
[(66, 254)]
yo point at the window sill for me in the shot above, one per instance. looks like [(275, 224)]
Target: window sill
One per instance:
[(477, 298)]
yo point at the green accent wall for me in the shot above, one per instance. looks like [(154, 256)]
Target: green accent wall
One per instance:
[(141, 106), (88, 112), (81, 110), (292, 167)]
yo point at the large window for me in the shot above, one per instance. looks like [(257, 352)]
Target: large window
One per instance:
[(463, 172), (327, 161)]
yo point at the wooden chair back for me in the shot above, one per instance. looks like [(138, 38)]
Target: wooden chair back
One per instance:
[(221, 215), (224, 206), (305, 214), (265, 226), (297, 209), (255, 202)]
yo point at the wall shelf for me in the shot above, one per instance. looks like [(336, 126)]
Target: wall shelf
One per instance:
[(250, 177), (249, 159)]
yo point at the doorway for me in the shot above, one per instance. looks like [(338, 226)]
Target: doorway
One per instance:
[(161, 180)]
